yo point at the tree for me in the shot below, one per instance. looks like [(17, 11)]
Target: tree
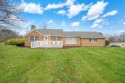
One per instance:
[(122, 37), (117, 37), (6, 34), (44, 25), (107, 42), (100, 33), (9, 15)]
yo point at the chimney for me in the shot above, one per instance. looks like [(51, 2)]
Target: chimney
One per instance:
[(33, 27)]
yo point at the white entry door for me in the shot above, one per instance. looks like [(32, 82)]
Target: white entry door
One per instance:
[(46, 39)]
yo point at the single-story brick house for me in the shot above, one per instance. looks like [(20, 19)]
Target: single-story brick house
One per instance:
[(57, 38)]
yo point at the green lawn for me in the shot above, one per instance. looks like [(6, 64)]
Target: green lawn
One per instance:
[(74, 65)]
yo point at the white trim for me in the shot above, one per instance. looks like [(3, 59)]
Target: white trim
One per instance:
[(29, 38), (70, 43), (93, 38), (56, 37), (72, 40), (34, 38)]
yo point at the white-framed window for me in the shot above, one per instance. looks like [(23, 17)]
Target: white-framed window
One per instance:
[(34, 38), (70, 40), (31, 38), (56, 38), (93, 40)]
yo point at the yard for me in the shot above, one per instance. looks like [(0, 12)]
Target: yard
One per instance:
[(74, 65)]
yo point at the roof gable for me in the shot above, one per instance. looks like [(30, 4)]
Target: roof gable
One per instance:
[(32, 31)]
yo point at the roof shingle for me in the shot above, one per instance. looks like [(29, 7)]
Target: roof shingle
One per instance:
[(60, 32)]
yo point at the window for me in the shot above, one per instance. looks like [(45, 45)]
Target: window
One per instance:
[(70, 40), (93, 40), (56, 38), (34, 38), (31, 38)]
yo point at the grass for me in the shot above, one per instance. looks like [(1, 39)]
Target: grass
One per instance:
[(74, 65)]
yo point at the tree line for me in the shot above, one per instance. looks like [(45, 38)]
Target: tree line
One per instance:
[(117, 37)]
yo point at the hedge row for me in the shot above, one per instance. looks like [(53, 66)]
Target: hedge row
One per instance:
[(16, 41)]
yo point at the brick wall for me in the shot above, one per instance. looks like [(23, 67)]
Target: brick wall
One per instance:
[(100, 42)]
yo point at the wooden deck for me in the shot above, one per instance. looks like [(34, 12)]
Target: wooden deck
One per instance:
[(46, 44)]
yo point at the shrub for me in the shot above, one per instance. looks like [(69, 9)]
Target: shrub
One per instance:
[(115, 46), (107, 42), (20, 44), (16, 41)]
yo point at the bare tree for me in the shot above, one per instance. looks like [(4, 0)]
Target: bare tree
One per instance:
[(116, 37), (9, 15), (9, 19), (6, 34), (122, 37), (44, 25)]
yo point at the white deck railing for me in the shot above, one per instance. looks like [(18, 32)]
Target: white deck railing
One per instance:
[(46, 44)]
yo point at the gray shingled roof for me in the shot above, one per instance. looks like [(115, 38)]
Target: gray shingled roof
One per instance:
[(51, 31), (83, 34), (60, 32)]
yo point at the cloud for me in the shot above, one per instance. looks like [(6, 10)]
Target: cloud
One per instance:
[(99, 23), (27, 25), (124, 23), (75, 24), (73, 10), (31, 8), (120, 31), (59, 5), (51, 22), (22, 32), (63, 12), (76, 9), (22, 1), (54, 6), (13, 18), (95, 11), (112, 13), (63, 24), (69, 2)]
